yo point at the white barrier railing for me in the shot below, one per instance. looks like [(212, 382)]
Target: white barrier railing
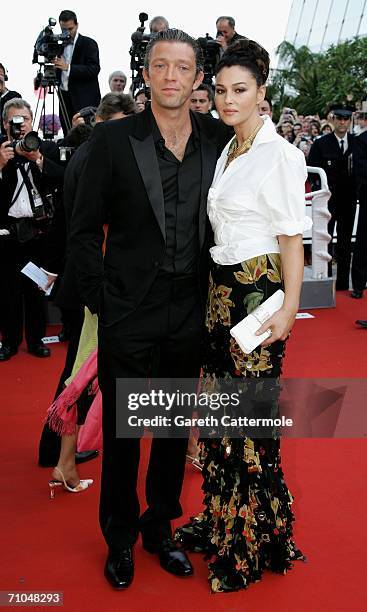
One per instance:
[(320, 217)]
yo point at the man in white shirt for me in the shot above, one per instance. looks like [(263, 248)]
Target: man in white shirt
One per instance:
[(26, 234), (77, 70)]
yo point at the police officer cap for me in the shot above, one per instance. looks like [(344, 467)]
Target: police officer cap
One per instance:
[(342, 110)]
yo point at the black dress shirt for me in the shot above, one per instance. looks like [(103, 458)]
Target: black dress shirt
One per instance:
[(181, 182)]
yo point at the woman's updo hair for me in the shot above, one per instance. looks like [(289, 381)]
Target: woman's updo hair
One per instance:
[(248, 54)]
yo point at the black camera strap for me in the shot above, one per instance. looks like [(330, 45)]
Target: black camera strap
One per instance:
[(27, 182)]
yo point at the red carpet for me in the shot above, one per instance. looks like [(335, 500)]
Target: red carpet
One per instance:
[(56, 546)]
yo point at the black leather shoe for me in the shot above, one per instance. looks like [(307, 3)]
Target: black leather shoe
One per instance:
[(6, 352), (172, 558), (356, 294), (86, 456), (39, 350), (362, 323), (119, 568)]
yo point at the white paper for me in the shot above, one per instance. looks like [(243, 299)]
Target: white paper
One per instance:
[(50, 339), (304, 315), (37, 275)]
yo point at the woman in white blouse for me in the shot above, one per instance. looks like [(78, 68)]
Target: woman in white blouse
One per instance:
[(256, 207)]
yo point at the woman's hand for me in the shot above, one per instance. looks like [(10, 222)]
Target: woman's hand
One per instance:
[(280, 324)]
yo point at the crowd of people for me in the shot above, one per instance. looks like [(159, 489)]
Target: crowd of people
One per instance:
[(165, 228)]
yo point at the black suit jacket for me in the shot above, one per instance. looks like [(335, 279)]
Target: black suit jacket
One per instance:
[(325, 153), (84, 69), (122, 174)]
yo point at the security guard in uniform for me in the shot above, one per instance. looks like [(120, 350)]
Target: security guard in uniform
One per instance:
[(334, 153)]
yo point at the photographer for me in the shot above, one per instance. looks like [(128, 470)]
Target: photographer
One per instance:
[(77, 69), (158, 24), (226, 33), (5, 95), (30, 181)]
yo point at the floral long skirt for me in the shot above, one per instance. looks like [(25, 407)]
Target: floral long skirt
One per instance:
[(246, 524)]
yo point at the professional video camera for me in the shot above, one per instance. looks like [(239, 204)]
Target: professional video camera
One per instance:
[(137, 51), (30, 142), (211, 53), (50, 45)]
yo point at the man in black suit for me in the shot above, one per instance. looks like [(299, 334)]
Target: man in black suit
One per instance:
[(334, 153), (5, 95), (78, 70), (152, 171), (28, 181), (359, 262)]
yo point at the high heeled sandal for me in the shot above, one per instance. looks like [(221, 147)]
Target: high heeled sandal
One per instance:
[(81, 486)]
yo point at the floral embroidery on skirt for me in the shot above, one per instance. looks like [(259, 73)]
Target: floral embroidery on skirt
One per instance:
[(246, 524)]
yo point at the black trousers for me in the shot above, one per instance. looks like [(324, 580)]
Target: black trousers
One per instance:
[(22, 304), (50, 442), (359, 263), (161, 338), (343, 212), (66, 110)]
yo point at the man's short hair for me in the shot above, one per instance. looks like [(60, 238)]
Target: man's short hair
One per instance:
[(116, 73), (269, 102), (205, 87), (113, 103), (230, 20), (173, 35), (68, 16), (16, 103), (157, 21)]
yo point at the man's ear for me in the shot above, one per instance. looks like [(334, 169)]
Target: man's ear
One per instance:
[(146, 76), (198, 79)]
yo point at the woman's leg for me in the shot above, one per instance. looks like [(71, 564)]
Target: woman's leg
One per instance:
[(66, 462)]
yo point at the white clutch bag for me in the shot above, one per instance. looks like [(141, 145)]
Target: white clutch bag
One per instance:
[(244, 331)]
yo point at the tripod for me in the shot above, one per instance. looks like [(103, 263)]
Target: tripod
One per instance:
[(46, 82)]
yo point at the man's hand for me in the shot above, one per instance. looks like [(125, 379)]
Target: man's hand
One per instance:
[(60, 63), (6, 153), (77, 120), (33, 156), (222, 41), (50, 280)]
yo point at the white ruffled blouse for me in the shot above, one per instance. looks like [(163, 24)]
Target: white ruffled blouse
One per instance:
[(260, 196)]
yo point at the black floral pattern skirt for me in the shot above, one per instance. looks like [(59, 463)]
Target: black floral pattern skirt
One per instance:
[(246, 524)]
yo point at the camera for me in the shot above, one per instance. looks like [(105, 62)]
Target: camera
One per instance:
[(211, 55), (89, 115), (30, 142), (51, 45), (140, 41)]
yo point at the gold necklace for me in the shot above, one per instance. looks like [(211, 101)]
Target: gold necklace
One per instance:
[(235, 151)]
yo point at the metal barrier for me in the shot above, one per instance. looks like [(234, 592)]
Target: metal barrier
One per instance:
[(320, 217)]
